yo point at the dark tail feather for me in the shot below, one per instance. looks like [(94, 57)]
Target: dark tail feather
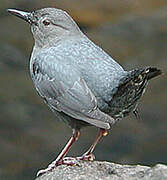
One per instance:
[(152, 72), (131, 88)]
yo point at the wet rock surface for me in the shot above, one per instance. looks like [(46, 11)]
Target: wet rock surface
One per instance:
[(107, 171)]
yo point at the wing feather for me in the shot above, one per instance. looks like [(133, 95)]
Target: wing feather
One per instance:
[(73, 97)]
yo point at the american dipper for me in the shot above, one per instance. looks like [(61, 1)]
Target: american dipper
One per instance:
[(80, 83)]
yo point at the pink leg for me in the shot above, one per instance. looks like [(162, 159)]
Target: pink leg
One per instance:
[(59, 160), (88, 154)]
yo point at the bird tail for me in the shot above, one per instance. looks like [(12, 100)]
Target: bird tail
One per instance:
[(143, 74), (152, 72), (139, 77), (130, 89)]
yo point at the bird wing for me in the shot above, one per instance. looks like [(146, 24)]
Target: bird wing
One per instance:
[(64, 90)]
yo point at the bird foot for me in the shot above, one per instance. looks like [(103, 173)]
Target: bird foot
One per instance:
[(69, 161), (86, 157)]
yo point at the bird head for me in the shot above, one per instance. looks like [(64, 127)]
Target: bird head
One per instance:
[(48, 24)]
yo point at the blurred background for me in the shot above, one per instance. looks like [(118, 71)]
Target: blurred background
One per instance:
[(134, 32)]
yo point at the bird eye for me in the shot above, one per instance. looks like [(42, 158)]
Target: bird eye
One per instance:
[(46, 22)]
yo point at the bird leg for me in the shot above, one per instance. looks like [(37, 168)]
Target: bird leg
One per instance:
[(59, 160), (88, 156)]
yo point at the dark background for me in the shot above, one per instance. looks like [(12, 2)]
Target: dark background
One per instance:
[(134, 32)]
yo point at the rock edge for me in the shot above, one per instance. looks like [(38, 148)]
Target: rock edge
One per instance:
[(106, 171)]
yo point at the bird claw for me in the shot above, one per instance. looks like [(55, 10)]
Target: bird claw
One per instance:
[(69, 161), (43, 171), (86, 157)]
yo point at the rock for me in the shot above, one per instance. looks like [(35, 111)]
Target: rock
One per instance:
[(106, 171)]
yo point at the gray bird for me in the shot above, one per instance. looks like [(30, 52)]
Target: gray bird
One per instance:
[(80, 83)]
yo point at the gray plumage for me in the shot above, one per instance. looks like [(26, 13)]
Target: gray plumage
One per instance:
[(81, 83)]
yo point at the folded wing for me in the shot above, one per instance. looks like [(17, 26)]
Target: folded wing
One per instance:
[(64, 90)]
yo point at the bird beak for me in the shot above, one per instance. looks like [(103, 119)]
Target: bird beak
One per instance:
[(27, 16)]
